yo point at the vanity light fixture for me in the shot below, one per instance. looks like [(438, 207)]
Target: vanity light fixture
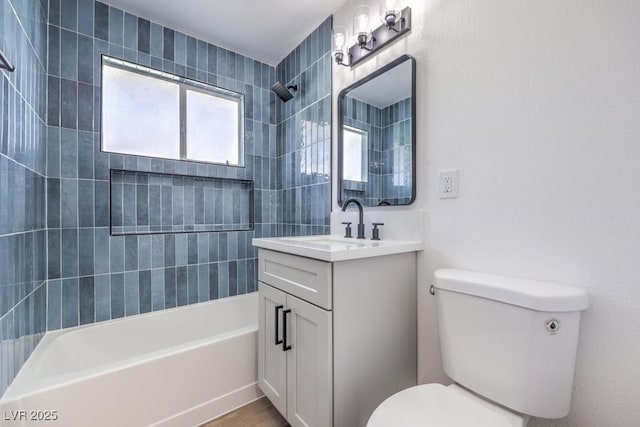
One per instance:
[(395, 23), (339, 38)]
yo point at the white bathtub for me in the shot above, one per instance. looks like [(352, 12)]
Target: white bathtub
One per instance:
[(178, 367)]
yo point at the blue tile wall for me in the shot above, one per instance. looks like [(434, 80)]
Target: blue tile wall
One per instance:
[(366, 117), (143, 203), (22, 184), (396, 176), (304, 137), (94, 276), (389, 151)]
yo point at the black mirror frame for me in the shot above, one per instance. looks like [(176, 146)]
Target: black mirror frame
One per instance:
[(343, 93)]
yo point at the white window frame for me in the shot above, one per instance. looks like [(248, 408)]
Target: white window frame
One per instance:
[(364, 148), (184, 85)]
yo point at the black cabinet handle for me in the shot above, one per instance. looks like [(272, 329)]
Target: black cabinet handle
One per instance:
[(278, 341), (285, 346)]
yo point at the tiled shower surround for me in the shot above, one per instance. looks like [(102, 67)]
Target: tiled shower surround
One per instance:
[(93, 275), (304, 137), (389, 151), (89, 275), (22, 184)]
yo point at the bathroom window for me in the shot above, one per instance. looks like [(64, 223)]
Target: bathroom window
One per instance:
[(146, 112), (355, 158)]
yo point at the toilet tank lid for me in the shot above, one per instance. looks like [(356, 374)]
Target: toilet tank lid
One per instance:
[(531, 294)]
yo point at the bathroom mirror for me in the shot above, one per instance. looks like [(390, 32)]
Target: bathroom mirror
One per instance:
[(376, 136)]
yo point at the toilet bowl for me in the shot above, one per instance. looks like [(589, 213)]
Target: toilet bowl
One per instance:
[(442, 406), (508, 344)]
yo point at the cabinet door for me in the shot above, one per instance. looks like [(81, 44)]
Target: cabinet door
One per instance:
[(309, 365), (272, 360)]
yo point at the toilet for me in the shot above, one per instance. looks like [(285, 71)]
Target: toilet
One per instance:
[(508, 344)]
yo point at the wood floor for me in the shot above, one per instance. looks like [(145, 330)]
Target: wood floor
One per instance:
[(260, 413)]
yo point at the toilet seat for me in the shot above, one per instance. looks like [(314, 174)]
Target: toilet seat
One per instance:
[(440, 406)]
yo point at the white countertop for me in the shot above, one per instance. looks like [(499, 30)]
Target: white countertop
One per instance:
[(336, 248)]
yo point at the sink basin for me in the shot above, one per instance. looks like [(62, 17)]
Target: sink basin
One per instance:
[(336, 248)]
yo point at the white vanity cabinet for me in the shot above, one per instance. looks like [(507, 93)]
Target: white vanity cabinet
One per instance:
[(335, 338)]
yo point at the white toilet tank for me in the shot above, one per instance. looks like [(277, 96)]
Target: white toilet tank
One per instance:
[(510, 340)]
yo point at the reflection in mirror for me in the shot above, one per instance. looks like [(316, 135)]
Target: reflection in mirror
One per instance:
[(355, 154), (376, 144)]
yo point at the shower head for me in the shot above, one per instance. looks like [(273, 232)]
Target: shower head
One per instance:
[(283, 92)]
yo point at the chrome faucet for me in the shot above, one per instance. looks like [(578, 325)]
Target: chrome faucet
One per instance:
[(360, 219)]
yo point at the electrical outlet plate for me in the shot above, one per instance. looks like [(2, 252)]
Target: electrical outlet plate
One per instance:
[(449, 184)]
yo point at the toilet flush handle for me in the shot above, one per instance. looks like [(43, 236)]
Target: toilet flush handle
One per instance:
[(432, 290)]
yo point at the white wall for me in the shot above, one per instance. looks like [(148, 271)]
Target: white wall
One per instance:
[(537, 103)]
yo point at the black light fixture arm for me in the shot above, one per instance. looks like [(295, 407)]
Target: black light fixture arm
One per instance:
[(339, 58)]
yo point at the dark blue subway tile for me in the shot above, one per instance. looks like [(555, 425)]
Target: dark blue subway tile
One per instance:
[(223, 279), (170, 295), (54, 12), (192, 248), (213, 281), (203, 282), (86, 17), (157, 289), (54, 254), (101, 194), (68, 55), (102, 289), (131, 252), (192, 52), (53, 101), (86, 251), (70, 302), (53, 57), (169, 250), (116, 26), (85, 155), (131, 293), (130, 31), (117, 295), (69, 203), (101, 23), (168, 51), (117, 254), (54, 304), (53, 204), (144, 35), (181, 286), (192, 279), (69, 252), (69, 14), (85, 107), (87, 300), (144, 291), (233, 278), (68, 104), (144, 252)]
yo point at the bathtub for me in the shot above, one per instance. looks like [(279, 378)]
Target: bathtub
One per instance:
[(177, 367)]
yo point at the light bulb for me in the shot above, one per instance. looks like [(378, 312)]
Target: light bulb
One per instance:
[(390, 13), (361, 25), (339, 38), (339, 43)]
